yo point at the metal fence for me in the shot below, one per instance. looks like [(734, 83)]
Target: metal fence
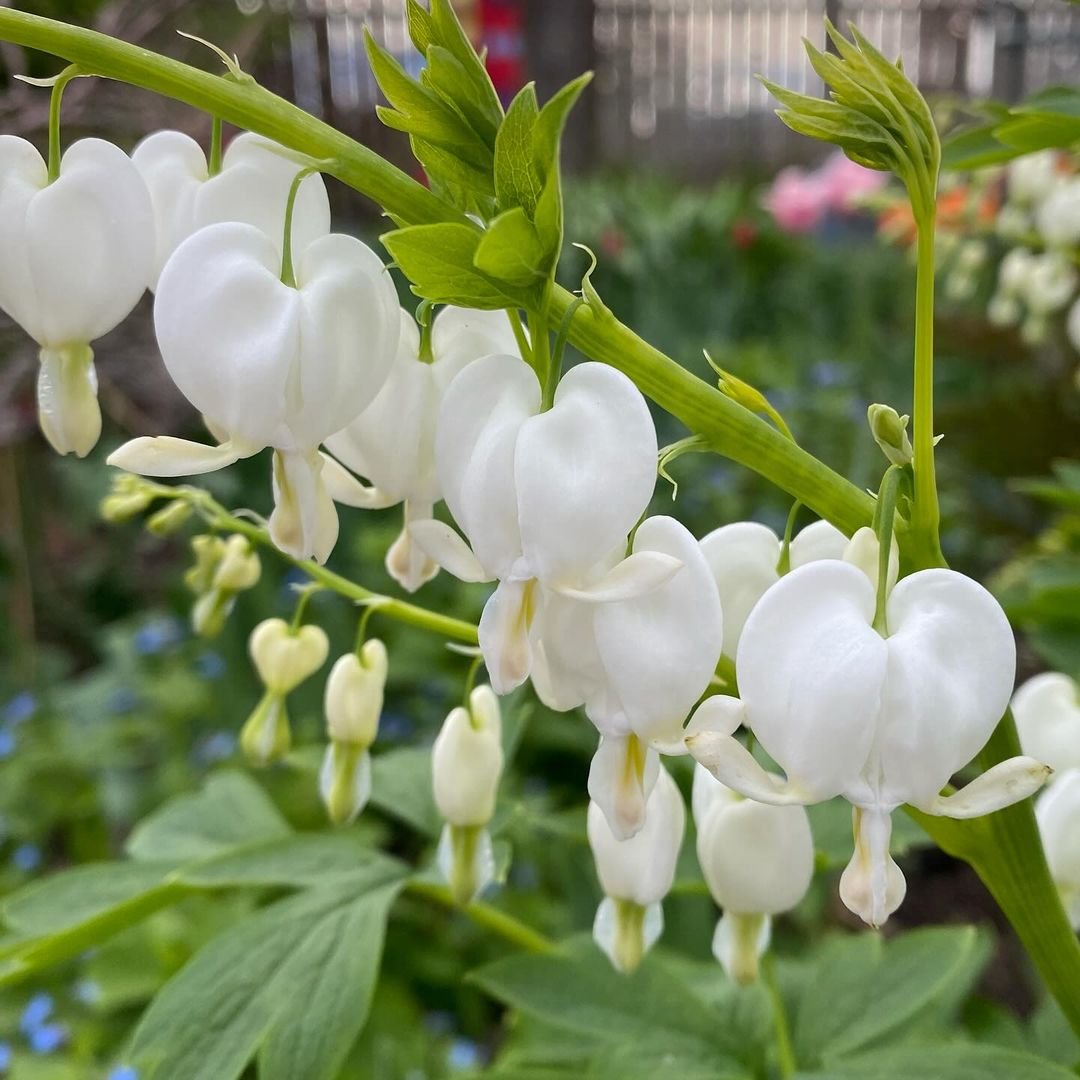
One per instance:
[(676, 80)]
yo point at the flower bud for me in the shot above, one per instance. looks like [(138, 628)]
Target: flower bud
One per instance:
[(864, 551), (129, 497), (636, 874), (239, 568), (354, 695), (889, 429), (345, 781), (467, 761), (210, 612), (208, 553), (170, 518), (1058, 814), (265, 737), (1047, 713), (284, 657)]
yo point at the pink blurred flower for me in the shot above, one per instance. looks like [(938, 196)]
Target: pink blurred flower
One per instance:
[(797, 199), (846, 184)]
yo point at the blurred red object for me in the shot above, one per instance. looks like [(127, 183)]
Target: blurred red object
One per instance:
[(502, 33)]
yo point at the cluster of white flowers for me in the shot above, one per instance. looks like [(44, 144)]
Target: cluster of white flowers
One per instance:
[(285, 335), (1038, 277)]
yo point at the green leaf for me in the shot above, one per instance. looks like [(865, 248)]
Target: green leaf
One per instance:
[(294, 980), (517, 182), (230, 810), (401, 787), (975, 148), (439, 261), (447, 77), (447, 32), (878, 987), (511, 251), (651, 1008), (952, 1062), (421, 29)]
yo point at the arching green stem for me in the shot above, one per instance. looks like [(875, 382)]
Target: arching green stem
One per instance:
[(214, 162), (884, 523), (287, 275), (783, 564), (65, 76)]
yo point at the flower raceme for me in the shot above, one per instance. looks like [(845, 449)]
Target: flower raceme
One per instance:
[(392, 442), (758, 861), (77, 255), (544, 497), (272, 362), (636, 873), (880, 713), (252, 187)]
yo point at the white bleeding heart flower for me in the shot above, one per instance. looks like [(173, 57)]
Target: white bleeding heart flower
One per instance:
[(636, 874), (758, 861), (77, 254), (392, 442), (252, 187), (272, 364), (1058, 815), (745, 557), (1047, 713), (638, 665), (543, 496), (881, 718)]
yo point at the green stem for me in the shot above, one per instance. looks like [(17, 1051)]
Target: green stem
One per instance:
[(925, 515), (541, 355), (287, 275), (784, 1048), (58, 88), (484, 915), (884, 519), (214, 161), (217, 517), (783, 565)]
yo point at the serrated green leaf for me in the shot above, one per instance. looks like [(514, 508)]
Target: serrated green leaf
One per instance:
[(230, 810), (446, 76), (317, 952), (876, 987), (439, 261), (947, 1062), (447, 32), (510, 250), (517, 182)]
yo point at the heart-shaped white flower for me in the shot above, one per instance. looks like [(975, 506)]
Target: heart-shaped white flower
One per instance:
[(284, 657), (77, 254)]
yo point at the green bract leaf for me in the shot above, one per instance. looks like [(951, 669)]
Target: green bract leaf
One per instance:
[(965, 1062), (439, 260), (446, 31), (421, 30), (511, 251), (318, 951), (517, 182)]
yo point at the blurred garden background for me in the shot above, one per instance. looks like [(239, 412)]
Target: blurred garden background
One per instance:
[(109, 705)]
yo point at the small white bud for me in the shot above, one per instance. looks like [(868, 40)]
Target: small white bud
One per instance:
[(354, 695), (467, 761), (239, 568), (1047, 713), (285, 657)]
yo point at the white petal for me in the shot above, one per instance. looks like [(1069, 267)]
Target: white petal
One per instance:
[(1006, 783), (89, 244), (346, 489), (444, 546), (720, 713), (163, 455), (229, 330), (392, 442), (480, 419), (566, 668), (952, 660), (350, 323), (872, 885), (1047, 713), (707, 793), (23, 174), (864, 551), (819, 540), (585, 471), (739, 941), (660, 650), (622, 777), (504, 634), (641, 867), (743, 558), (68, 409), (735, 767), (461, 335), (811, 672), (637, 575), (406, 562), (304, 523), (1058, 814)]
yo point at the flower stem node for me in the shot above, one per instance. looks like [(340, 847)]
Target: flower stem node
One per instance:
[(636, 873), (889, 429)]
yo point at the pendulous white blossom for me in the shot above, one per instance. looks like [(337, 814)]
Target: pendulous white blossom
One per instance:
[(1058, 815), (77, 255), (392, 442), (544, 497), (1047, 713), (1032, 177), (880, 714), (252, 187), (758, 861), (272, 363), (636, 874)]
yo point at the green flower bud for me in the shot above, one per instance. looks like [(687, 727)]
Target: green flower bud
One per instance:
[(889, 429), (210, 612), (239, 568), (209, 551), (129, 497), (169, 519)]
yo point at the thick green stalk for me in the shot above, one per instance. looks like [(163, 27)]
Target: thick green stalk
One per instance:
[(730, 429)]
